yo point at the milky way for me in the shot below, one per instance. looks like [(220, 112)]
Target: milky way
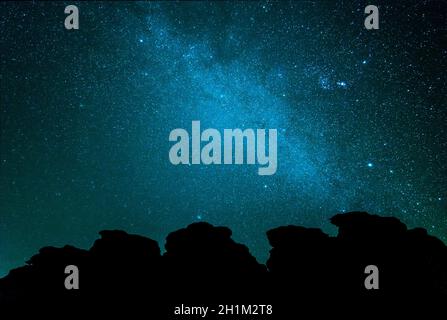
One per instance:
[(86, 115)]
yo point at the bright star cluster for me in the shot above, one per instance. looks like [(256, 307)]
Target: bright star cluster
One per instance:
[(86, 114)]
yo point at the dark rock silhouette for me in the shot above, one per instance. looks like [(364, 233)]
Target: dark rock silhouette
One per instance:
[(124, 262), (301, 257), (24, 284), (202, 264), (202, 251), (202, 246)]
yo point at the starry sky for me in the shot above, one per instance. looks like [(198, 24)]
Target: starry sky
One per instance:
[(86, 115)]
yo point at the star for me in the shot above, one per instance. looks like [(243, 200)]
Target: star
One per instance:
[(342, 84)]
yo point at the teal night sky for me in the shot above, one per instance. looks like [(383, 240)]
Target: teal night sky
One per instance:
[(86, 115)]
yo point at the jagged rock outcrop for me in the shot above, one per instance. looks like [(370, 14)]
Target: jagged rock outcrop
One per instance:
[(203, 264)]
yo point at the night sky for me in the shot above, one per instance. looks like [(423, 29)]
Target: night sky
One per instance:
[(86, 115)]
